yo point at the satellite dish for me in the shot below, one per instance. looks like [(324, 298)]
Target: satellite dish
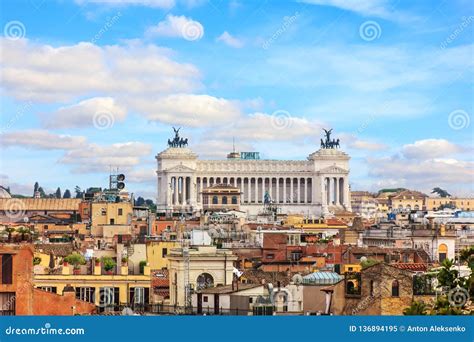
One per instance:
[(363, 259), (121, 177), (25, 219), (120, 185), (297, 279)]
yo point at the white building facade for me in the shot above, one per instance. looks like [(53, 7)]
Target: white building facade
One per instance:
[(314, 186)]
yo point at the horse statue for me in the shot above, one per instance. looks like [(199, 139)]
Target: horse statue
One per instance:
[(328, 134), (322, 144), (177, 141), (337, 143)]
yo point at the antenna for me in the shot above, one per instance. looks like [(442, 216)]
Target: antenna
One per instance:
[(233, 144)]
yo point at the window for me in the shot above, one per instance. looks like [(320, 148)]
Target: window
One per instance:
[(45, 227), (442, 252), (204, 281), (250, 300), (234, 199), (112, 221), (214, 200), (7, 269), (139, 295), (224, 199), (270, 256), (52, 289), (371, 288), (85, 294), (108, 298), (395, 288), (7, 303), (164, 252), (103, 211), (120, 212), (205, 299)]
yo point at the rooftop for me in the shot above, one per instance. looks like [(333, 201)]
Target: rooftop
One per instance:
[(226, 289)]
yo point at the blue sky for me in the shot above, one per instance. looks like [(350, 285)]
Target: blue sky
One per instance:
[(91, 84)]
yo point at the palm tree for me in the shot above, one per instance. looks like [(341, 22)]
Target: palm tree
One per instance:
[(415, 309), (10, 231), (23, 231)]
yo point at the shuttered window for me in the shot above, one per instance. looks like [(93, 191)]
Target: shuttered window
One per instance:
[(7, 269)]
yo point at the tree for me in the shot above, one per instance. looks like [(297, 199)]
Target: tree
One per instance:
[(75, 259), (67, 194), (455, 296), (78, 192), (151, 205), (35, 188), (10, 231), (140, 201), (58, 192), (417, 308), (368, 263), (41, 192), (108, 263), (441, 192), (23, 231)]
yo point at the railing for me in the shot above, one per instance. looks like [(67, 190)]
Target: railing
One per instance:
[(161, 309)]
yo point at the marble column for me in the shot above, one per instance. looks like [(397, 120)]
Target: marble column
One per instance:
[(284, 190), (298, 184), (278, 190), (249, 189), (292, 194), (305, 190)]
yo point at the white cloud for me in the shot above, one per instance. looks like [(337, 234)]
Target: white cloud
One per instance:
[(42, 140), (177, 26), (219, 148), (43, 73), (85, 113), (360, 68), (419, 166), (97, 158), (430, 148), (187, 109), (229, 40), (141, 176), (367, 145), (430, 173), (147, 3), (280, 125), (377, 8)]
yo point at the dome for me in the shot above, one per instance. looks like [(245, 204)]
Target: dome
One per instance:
[(4, 193)]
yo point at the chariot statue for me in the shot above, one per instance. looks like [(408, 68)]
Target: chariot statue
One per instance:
[(177, 141)]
